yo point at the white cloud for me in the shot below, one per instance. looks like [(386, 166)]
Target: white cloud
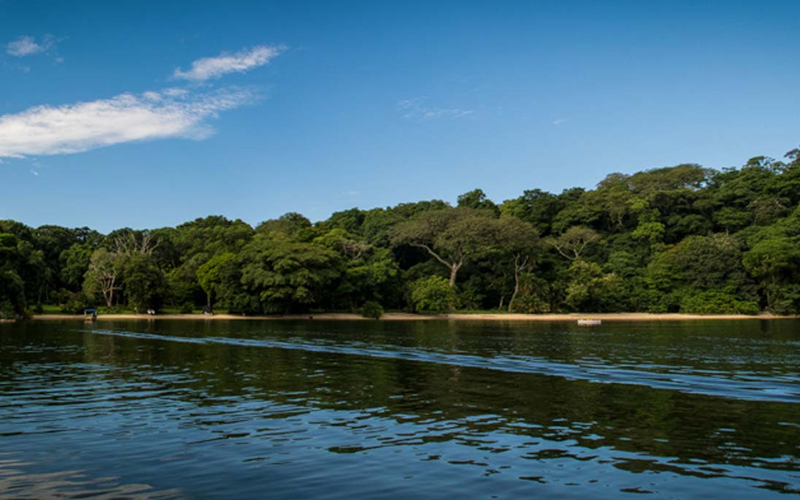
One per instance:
[(415, 109), (28, 46), (214, 67), (559, 121), (74, 128), (409, 103)]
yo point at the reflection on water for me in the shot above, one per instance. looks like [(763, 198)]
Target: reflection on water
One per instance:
[(17, 481), (399, 410)]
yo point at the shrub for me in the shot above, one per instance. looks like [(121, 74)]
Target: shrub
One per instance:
[(241, 303), (372, 310), (469, 298), (717, 302), (187, 308), (7, 310), (432, 295), (75, 303), (530, 304)]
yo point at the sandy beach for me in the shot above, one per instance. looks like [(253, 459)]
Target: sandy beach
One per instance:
[(420, 317)]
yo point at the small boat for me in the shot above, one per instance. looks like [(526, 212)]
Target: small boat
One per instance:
[(589, 322), (90, 315)]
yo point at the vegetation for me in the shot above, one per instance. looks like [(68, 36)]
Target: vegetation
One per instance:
[(678, 239), (372, 310)]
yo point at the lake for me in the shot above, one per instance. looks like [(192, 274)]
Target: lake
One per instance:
[(417, 409)]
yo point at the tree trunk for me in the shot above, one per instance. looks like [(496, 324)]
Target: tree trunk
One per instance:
[(108, 291), (453, 266), (516, 290), (519, 266), (502, 301)]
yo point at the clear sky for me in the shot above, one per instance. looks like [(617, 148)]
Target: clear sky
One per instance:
[(146, 114)]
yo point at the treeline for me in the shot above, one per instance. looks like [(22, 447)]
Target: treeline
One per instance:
[(679, 239)]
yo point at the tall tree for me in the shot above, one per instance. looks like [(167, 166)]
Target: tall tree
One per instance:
[(451, 235), (287, 275), (211, 274), (101, 277), (518, 241)]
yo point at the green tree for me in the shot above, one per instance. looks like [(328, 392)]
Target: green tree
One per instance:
[(535, 207), (145, 285), (518, 243), (775, 262), (367, 273), (451, 236), (590, 290), (73, 263), (102, 276), (285, 275), (476, 199), (210, 275), (12, 286), (575, 241), (198, 241)]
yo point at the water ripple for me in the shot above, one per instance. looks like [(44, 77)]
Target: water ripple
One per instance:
[(743, 386)]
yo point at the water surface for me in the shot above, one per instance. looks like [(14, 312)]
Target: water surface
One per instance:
[(254, 409)]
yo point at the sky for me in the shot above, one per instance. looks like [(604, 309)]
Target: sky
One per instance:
[(149, 114)]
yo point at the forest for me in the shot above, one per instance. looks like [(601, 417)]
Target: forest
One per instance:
[(678, 239)]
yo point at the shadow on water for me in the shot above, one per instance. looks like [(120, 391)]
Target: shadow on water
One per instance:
[(394, 410)]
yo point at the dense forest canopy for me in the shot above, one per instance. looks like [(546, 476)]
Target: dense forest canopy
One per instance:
[(678, 239)]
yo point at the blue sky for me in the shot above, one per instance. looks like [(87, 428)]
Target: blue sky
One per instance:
[(146, 114)]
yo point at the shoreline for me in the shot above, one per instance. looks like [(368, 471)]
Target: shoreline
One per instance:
[(494, 317)]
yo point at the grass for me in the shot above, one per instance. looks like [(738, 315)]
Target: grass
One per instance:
[(481, 311), (51, 309), (174, 309)]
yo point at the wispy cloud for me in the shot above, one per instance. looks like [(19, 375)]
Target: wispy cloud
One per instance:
[(28, 46), (239, 62), (416, 109), (559, 121), (74, 128)]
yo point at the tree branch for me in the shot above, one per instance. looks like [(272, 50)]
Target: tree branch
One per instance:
[(435, 255)]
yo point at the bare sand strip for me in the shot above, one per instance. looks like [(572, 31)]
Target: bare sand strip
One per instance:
[(424, 317)]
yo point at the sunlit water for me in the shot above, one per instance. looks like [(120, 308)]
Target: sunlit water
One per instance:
[(249, 409)]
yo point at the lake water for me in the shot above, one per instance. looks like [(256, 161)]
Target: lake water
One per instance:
[(351, 410)]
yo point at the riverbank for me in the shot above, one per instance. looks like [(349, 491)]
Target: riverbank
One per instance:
[(421, 317)]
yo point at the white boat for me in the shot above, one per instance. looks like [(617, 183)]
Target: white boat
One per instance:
[(589, 322)]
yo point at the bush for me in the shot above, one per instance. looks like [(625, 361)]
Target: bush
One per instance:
[(187, 308), (75, 303), (717, 302), (432, 295), (7, 310), (530, 304), (468, 298), (241, 303), (372, 310)]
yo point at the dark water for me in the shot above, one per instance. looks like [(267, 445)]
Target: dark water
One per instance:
[(399, 410)]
